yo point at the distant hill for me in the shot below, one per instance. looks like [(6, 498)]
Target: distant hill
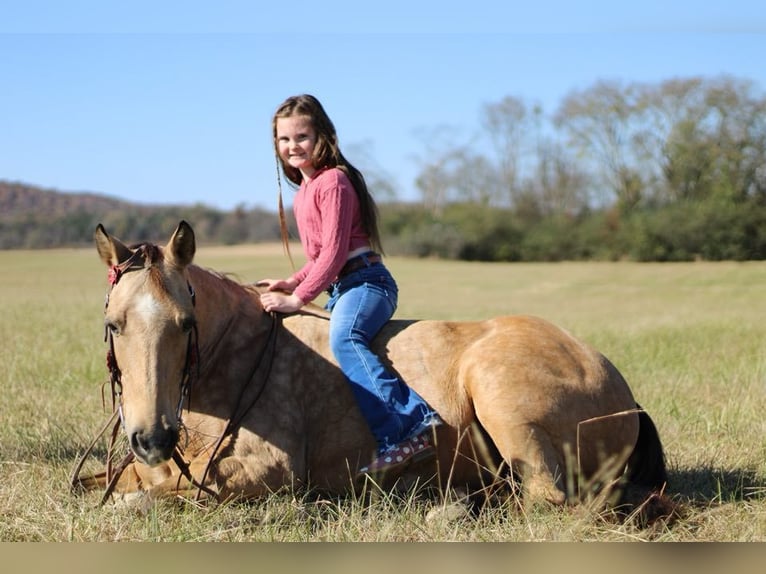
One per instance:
[(18, 199), (32, 217)]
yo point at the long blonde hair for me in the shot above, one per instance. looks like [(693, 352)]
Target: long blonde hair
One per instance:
[(326, 154)]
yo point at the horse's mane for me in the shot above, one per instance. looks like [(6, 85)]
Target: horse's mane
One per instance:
[(225, 276), (150, 251), (232, 281), (153, 254)]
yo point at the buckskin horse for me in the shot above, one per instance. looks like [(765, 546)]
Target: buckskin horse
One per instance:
[(219, 399)]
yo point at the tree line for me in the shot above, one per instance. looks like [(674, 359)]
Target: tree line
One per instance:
[(35, 218), (672, 171), (649, 172)]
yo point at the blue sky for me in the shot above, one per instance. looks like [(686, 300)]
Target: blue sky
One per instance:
[(171, 102)]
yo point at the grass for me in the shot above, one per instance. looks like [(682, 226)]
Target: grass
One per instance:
[(689, 338)]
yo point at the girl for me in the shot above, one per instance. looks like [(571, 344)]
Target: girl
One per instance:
[(337, 224)]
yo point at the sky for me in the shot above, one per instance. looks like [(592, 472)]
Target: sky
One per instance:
[(171, 102)]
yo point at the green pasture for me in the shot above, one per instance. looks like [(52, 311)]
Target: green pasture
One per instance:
[(690, 339)]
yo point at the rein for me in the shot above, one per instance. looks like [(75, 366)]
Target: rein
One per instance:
[(236, 418), (192, 360)]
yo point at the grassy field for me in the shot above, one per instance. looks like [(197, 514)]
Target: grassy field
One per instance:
[(689, 338)]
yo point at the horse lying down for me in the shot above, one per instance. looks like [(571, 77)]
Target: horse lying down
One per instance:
[(222, 400)]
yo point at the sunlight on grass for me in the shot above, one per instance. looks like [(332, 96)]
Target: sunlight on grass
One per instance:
[(689, 339)]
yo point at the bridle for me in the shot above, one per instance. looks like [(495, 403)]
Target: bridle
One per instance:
[(190, 371), (192, 344), (116, 420)]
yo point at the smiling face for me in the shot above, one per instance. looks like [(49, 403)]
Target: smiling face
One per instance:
[(296, 138)]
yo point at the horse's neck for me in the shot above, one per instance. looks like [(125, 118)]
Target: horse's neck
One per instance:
[(233, 331), (229, 315)]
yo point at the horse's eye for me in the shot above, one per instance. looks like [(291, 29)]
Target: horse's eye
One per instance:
[(187, 324), (113, 328)]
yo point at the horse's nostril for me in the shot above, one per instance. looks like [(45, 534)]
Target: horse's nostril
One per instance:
[(137, 443), (154, 447)]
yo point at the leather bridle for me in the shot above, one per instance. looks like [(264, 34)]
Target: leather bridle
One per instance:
[(190, 371), (192, 345)]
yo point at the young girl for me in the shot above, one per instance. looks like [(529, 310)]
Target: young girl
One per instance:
[(337, 223)]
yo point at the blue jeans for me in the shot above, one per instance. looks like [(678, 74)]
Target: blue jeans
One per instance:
[(360, 304)]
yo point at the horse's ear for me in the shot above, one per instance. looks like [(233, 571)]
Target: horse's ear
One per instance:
[(181, 247), (111, 250)]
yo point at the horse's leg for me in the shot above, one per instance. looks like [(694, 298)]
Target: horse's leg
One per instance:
[(253, 475), (262, 471), (129, 481), (232, 477), (176, 483), (528, 450), (134, 481)]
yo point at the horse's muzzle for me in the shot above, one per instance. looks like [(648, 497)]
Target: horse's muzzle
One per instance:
[(154, 447)]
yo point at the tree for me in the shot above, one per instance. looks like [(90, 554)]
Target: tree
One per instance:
[(380, 183), (508, 124), (705, 137), (601, 123), (442, 151), (558, 185)]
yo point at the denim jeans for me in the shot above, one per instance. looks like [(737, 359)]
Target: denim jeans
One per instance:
[(360, 304)]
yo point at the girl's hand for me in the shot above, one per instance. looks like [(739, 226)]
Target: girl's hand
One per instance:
[(282, 302), (286, 285)]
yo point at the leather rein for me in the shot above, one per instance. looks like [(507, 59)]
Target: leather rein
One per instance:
[(190, 371)]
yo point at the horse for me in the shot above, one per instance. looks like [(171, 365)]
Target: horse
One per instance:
[(221, 400)]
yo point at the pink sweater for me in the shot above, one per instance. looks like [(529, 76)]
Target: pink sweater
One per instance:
[(327, 213)]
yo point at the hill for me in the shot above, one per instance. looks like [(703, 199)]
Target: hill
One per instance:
[(19, 200), (32, 217)]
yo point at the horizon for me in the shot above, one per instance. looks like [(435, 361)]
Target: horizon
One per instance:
[(176, 108)]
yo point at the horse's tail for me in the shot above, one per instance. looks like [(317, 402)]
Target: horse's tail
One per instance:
[(646, 465)]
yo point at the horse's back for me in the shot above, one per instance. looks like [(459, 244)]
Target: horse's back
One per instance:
[(544, 397), (532, 362)]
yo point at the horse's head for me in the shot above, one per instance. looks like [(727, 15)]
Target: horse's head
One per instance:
[(151, 327)]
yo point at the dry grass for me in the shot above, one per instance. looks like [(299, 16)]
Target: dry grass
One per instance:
[(688, 337)]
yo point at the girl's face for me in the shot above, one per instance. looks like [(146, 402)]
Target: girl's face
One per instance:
[(296, 139)]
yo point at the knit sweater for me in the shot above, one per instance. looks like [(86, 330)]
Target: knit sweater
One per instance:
[(329, 222)]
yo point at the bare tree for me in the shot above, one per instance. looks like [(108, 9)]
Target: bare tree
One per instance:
[(442, 149), (379, 181), (601, 124), (560, 186), (508, 124)]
